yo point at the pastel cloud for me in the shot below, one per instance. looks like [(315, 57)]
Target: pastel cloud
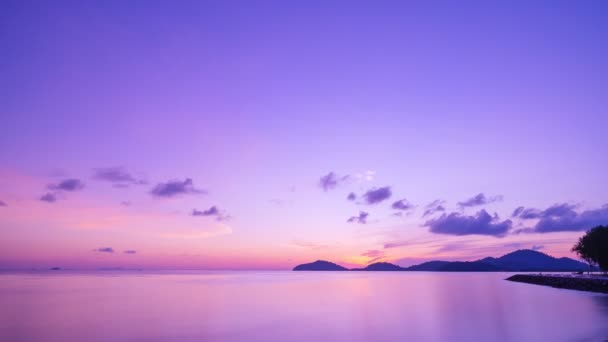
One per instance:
[(105, 250), (209, 212), (396, 244), (366, 176), (151, 229), (562, 217), (71, 184), (481, 223), (212, 211), (118, 176), (2, 204), (526, 213), (352, 196), (377, 195), (434, 207), (308, 244), (48, 197), (402, 204), (479, 199), (331, 181), (130, 251), (374, 255), (361, 218), (174, 188)]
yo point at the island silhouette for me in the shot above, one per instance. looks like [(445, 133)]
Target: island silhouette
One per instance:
[(320, 265), (523, 260)]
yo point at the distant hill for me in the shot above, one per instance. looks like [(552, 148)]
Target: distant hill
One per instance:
[(524, 260), (429, 266), (455, 266), (469, 266), (380, 266), (320, 265), (533, 261)]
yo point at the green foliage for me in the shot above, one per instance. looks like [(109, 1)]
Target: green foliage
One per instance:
[(593, 247)]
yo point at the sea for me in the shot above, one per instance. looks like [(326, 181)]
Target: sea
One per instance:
[(292, 306)]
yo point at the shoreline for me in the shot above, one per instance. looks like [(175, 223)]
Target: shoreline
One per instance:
[(588, 284)]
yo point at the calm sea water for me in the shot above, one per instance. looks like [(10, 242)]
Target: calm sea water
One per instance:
[(293, 306)]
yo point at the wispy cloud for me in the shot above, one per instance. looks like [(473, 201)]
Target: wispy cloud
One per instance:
[(331, 181), (479, 224), (377, 195), (434, 207), (366, 176), (361, 218), (3, 204), (396, 244), (308, 244), (402, 204), (118, 176), (48, 197), (526, 213), (562, 217), (212, 211), (352, 196), (130, 251), (374, 255), (209, 212), (174, 188), (71, 184), (479, 199), (105, 250)]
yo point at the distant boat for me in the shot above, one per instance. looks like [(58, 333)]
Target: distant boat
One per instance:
[(524, 260)]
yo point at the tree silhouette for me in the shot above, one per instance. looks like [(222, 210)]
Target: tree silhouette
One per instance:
[(593, 247)]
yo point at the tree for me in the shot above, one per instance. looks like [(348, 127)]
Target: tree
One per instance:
[(593, 247)]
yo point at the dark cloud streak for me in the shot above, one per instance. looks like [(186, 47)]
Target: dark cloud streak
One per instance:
[(175, 188), (479, 224), (402, 204), (433, 207), (209, 212), (212, 211), (562, 217), (120, 177), (479, 199), (361, 218), (375, 196), (331, 181), (71, 184), (48, 197)]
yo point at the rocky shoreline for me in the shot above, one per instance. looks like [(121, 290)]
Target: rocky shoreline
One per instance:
[(599, 284)]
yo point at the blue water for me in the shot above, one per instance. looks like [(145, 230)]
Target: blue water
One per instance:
[(293, 306)]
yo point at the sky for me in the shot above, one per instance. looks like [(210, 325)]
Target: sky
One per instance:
[(264, 134)]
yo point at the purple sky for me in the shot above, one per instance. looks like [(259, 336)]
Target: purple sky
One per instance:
[(261, 134)]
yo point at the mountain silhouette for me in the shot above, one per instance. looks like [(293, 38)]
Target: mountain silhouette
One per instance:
[(320, 265), (524, 260), (429, 266), (534, 261), (380, 266)]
